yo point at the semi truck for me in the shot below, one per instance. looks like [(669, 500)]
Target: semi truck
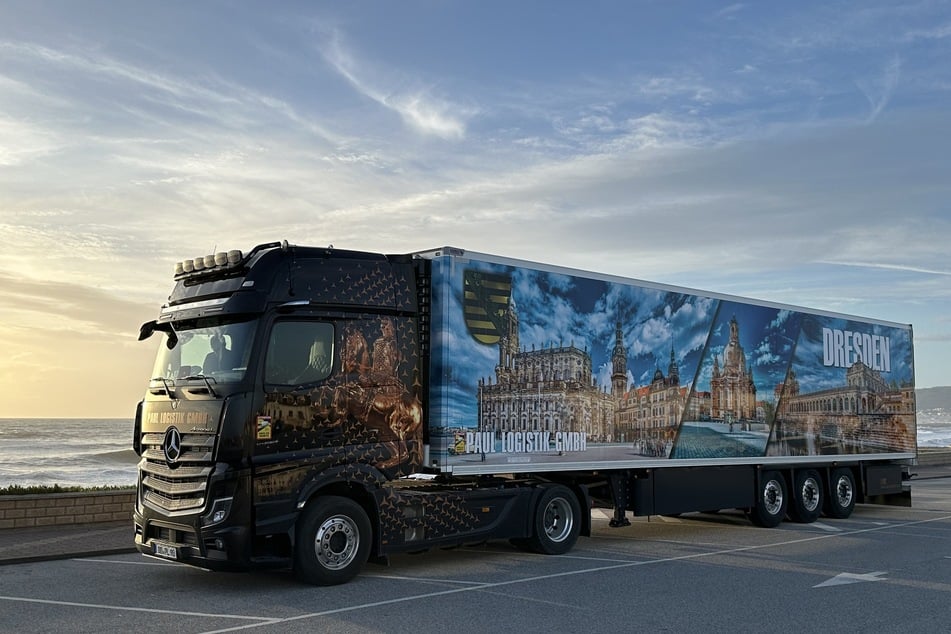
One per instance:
[(316, 408)]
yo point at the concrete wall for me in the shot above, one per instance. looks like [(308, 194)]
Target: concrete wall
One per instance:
[(48, 509)]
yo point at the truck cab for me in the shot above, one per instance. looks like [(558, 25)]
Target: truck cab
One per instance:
[(278, 371)]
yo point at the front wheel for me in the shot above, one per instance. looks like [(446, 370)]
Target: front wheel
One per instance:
[(333, 541), (557, 521), (771, 501)]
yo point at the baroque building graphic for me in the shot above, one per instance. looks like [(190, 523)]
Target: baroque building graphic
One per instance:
[(551, 389), (732, 387), (865, 414), (649, 416)]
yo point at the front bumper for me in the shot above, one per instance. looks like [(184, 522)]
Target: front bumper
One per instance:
[(220, 547)]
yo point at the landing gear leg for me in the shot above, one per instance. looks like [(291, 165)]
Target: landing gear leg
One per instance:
[(620, 495)]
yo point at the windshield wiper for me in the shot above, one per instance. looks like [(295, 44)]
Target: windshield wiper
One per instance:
[(206, 379), (168, 390)]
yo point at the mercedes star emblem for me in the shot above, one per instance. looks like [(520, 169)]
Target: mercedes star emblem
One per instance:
[(172, 445)]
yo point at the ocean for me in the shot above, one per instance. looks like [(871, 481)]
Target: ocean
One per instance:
[(66, 451), (934, 427), (98, 452)]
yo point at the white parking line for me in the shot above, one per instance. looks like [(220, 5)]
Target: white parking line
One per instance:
[(263, 620), (826, 527), (423, 579), (126, 563), (847, 578)]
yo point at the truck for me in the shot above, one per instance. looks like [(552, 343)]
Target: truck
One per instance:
[(315, 409)]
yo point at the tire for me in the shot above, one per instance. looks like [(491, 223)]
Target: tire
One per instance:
[(807, 498), (771, 500), (333, 541), (841, 499), (557, 521)]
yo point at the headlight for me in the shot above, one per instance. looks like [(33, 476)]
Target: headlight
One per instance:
[(218, 513)]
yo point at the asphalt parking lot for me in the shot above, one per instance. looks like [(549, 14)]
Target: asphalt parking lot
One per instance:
[(884, 568)]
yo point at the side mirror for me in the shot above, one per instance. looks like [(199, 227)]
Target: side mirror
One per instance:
[(149, 327), (146, 330), (137, 430)]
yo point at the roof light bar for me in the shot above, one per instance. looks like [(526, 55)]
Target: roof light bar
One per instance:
[(221, 260)]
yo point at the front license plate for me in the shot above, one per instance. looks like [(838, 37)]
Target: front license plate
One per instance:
[(164, 550)]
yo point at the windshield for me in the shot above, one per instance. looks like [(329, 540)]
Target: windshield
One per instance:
[(218, 351)]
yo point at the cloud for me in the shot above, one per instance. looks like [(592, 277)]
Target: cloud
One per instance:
[(80, 308), (104, 67), (892, 267), (730, 11), (940, 337), (91, 93), (938, 32), (22, 142), (416, 106), (880, 92)]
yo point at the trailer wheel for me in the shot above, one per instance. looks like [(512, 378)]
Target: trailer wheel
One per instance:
[(807, 497), (557, 521), (841, 501), (333, 541), (771, 500)]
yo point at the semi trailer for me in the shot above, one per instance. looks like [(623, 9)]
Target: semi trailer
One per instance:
[(317, 408)]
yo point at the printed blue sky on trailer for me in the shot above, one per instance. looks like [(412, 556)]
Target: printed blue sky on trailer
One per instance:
[(767, 336), (817, 367), (557, 310)]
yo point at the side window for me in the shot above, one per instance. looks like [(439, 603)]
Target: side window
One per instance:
[(299, 352)]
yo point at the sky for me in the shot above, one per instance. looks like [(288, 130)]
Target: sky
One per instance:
[(795, 153)]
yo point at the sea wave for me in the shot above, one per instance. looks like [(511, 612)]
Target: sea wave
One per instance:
[(67, 478), (123, 456)]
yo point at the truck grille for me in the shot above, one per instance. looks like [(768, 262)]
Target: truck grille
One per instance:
[(180, 488)]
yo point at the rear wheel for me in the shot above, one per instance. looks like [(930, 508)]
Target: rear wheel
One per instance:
[(771, 500), (806, 504), (841, 501), (557, 521), (333, 541)]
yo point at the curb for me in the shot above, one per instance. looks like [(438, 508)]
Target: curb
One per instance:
[(58, 556)]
